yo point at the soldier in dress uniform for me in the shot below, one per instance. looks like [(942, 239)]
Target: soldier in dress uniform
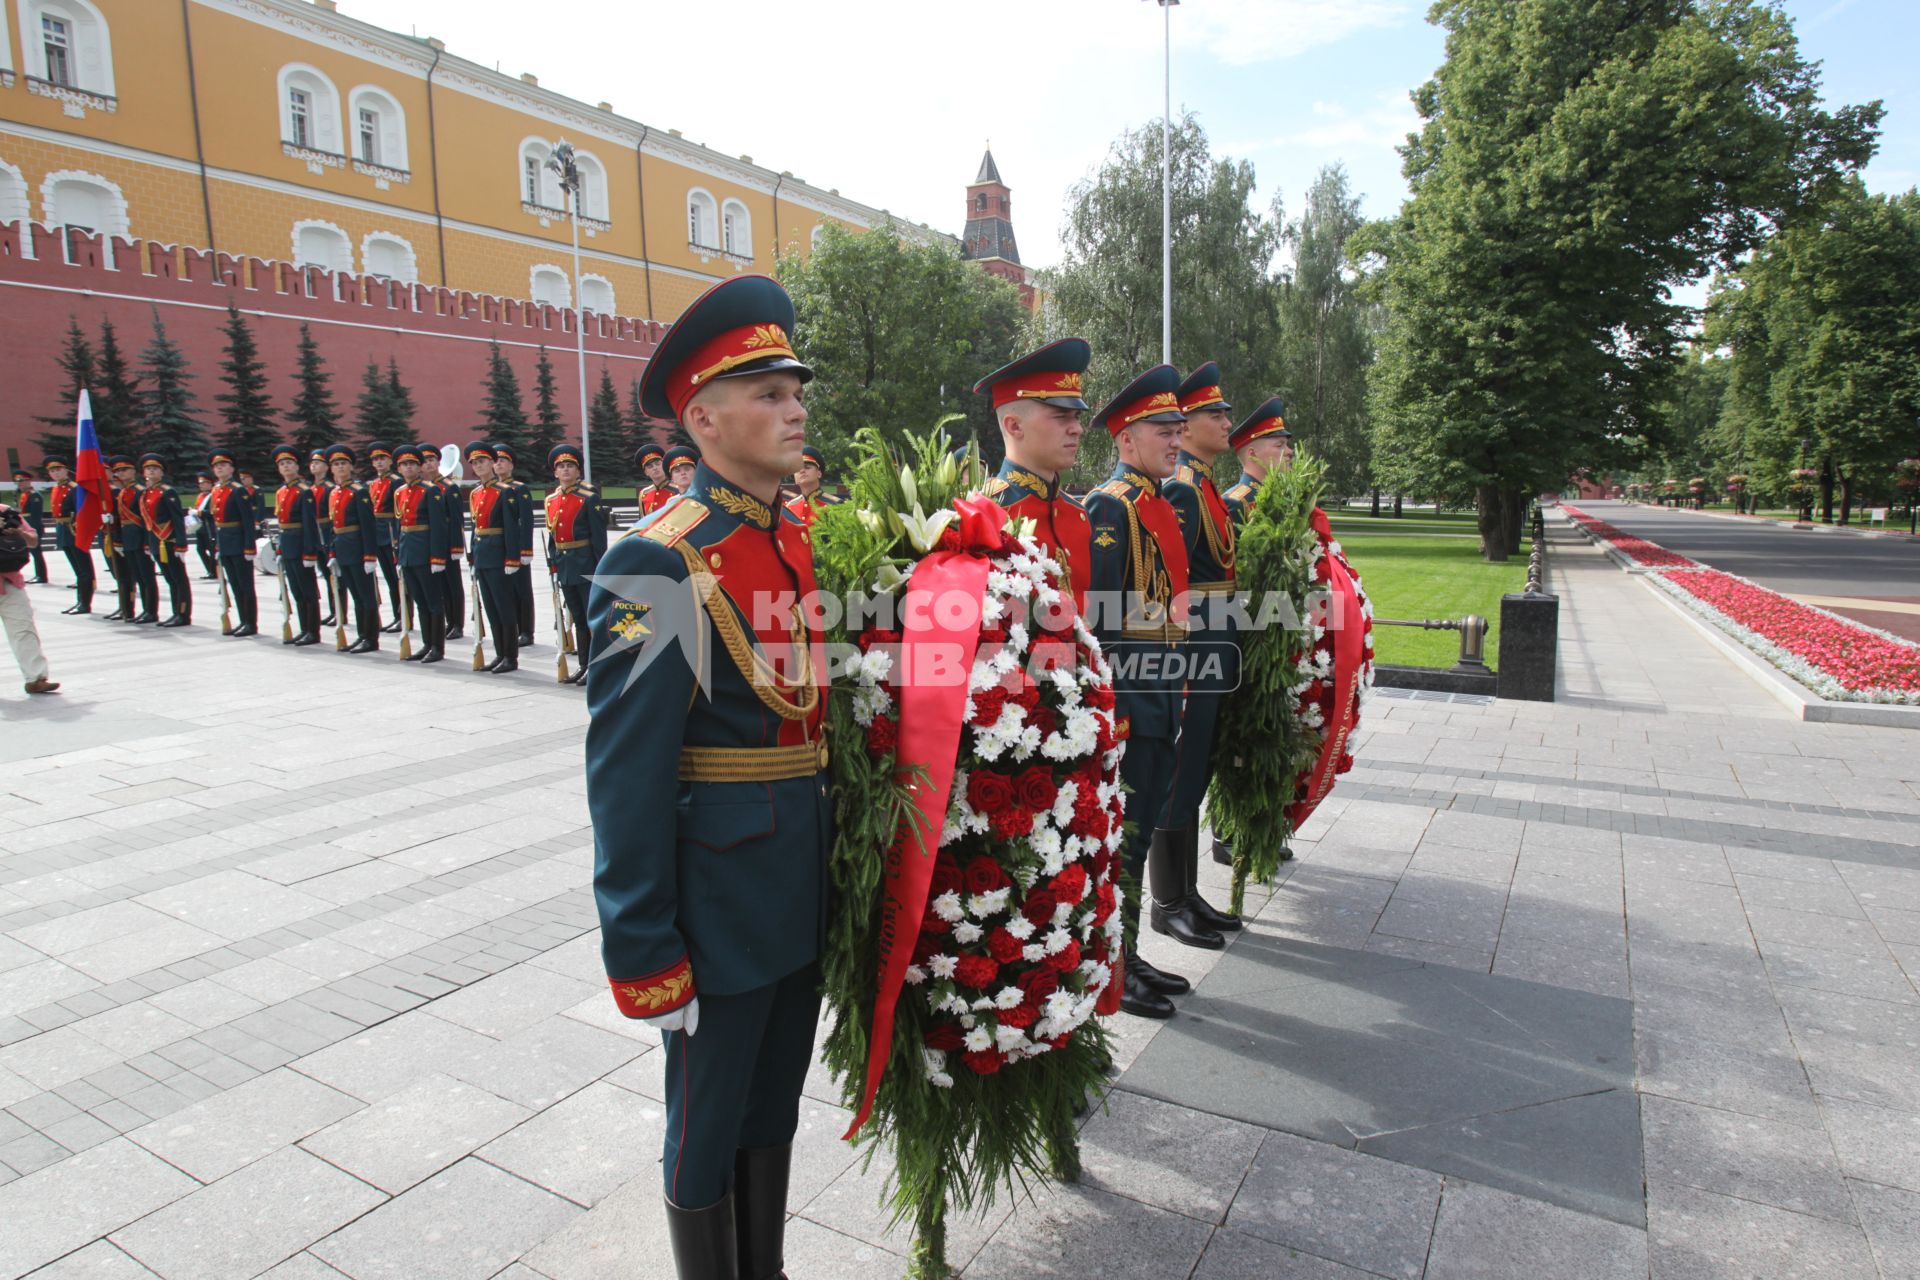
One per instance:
[(453, 523), (1174, 859), (496, 556), (813, 469), (166, 522), (298, 545), (130, 543), (710, 810), (576, 539), (230, 515), (385, 533), (62, 503), (650, 460), (32, 508), (204, 544), (1037, 402), (422, 551), (353, 553), (1139, 576), (521, 539), (1262, 444), (321, 473), (681, 462)]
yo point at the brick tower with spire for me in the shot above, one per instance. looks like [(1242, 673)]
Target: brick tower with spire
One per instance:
[(988, 238)]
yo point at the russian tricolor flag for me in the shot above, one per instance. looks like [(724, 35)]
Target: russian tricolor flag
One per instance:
[(90, 500)]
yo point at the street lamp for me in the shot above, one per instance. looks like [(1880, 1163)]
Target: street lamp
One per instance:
[(561, 163), (1166, 187)]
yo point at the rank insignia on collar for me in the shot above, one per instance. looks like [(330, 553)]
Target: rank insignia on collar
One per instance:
[(629, 620), (742, 505)]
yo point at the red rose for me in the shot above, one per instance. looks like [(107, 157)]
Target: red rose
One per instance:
[(1039, 906), (1003, 946), (1035, 790), (975, 971), (946, 876), (1070, 885), (984, 875), (1067, 959), (1012, 823), (1037, 984), (985, 1062), (946, 1037), (987, 705), (989, 793), (883, 735), (1045, 719), (992, 637), (931, 923), (926, 947), (1020, 1016)]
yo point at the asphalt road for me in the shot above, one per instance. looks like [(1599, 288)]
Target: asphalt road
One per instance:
[(1796, 562)]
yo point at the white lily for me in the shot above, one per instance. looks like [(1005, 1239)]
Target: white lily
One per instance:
[(924, 530), (870, 520), (888, 577), (908, 489), (949, 472)]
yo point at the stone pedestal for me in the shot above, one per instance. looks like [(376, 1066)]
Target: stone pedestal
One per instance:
[(1529, 646)]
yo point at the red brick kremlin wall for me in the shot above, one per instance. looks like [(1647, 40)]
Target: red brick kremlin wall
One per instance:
[(438, 336)]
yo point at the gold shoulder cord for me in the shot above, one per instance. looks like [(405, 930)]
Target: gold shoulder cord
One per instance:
[(759, 673), (1220, 548)]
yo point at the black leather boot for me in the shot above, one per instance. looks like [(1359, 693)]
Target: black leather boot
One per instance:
[(1171, 912), (1167, 984), (704, 1247), (1223, 851), (433, 631), (1140, 998), (760, 1211), (1219, 921)]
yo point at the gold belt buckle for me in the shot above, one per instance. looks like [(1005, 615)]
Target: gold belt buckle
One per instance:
[(823, 752)]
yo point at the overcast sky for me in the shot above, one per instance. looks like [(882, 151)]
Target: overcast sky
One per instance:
[(892, 102)]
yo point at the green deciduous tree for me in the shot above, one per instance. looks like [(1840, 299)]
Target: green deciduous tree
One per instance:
[(1579, 160), (1326, 335), (1226, 291), (169, 412), (245, 406), (314, 418), (897, 330)]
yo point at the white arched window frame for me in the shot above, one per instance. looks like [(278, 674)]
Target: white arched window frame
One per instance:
[(377, 128), (14, 205), (384, 254), (321, 244), (67, 43), (538, 185), (703, 219), (596, 294), (548, 283), (309, 110), (736, 229), (813, 237), (593, 186), (74, 198)]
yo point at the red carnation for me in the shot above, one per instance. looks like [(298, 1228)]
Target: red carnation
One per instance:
[(1039, 905), (1106, 901), (1067, 959), (1035, 790), (1020, 1016), (931, 923), (1012, 823), (1106, 735), (946, 876), (989, 793), (992, 637), (985, 1062), (1029, 695), (984, 875), (946, 1037), (883, 735), (975, 971), (1004, 946), (987, 705), (1070, 884), (1099, 697)]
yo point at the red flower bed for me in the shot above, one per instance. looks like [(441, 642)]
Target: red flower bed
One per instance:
[(1855, 657), (1639, 550)]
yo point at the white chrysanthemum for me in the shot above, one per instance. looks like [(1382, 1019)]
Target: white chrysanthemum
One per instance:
[(1059, 1006), (1008, 1038), (966, 933), (915, 975), (1057, 937), (1020, 927), (979, 1039), (1046, 842), (1062, 812), (943, 966), (947, 907), (1033, 953), (933, 1059), (1009, 997), (940, 1080)]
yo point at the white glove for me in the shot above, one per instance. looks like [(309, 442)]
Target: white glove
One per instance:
[(686, 1018), (439, 568), (512, 569)]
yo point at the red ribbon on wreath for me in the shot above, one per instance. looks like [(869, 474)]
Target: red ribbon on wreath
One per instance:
[(1349, 627), (932, 714)]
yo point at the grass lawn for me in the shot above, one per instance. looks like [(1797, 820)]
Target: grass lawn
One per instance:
[(1431, 574)]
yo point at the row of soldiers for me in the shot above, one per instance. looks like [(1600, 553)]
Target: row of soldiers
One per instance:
[(713, 895), (338, 537)]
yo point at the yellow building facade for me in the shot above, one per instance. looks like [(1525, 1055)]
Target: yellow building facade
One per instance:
[(286, 130)]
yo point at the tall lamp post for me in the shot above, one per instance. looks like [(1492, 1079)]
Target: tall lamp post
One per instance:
[(561, 163), (1166, 185)]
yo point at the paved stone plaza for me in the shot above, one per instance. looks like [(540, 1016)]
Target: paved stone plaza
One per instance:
[(299, 978)]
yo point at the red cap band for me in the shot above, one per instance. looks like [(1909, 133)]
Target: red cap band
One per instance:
[(728, 351)]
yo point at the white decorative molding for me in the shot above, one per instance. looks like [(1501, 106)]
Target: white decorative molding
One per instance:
[(589, 278), (388, 48), (121, 224), (76, 102), (382, 175), (410, 272), (344, 241), (15, 204), (555, 272), (315, 160)]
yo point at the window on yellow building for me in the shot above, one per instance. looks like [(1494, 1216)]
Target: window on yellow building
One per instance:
[(539, 185), (379, 128), (57, 35), (549, 285), (390, 257), (73, 49), (321, 244), (703, 230), (309, 110), (596, 294), (300, 117), (84, 202), (736, 229), (593, 185)]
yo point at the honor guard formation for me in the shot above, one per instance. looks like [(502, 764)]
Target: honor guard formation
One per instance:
[(706, 771)]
